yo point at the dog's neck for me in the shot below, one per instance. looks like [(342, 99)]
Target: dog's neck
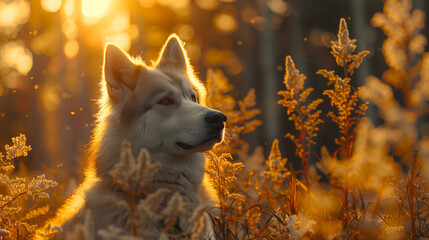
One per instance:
[(183, 174)]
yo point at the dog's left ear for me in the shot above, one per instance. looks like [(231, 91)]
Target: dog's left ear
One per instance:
[(119, 72), (173, 55)]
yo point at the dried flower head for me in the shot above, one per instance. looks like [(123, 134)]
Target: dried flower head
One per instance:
[(293, 78), (18, 149), (276, 164), (304, 115), (298, 227), (343, 50), (131, 173), (241, 120), (403, 46), (222, 175), (344, 96), (19, 188)]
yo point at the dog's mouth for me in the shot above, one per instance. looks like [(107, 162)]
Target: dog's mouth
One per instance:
[(213, 139), (184, 145)]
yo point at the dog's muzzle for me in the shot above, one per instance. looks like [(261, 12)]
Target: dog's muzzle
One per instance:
[(216, 120), (216, 123)]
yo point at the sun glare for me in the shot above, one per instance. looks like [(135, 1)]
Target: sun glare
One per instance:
[(94, 9)]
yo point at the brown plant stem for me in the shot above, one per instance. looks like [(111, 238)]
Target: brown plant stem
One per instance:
[(411, 195), (13, 199), (131, 202)]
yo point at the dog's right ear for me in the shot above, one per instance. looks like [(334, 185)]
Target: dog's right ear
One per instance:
[(119, 72)]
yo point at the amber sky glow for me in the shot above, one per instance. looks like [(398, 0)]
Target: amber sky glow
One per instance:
[(93, 23)]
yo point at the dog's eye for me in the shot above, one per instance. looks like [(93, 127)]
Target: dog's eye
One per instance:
[(194, 98), (166, 101)]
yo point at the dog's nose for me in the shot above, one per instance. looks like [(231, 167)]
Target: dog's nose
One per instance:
[(216, 119)]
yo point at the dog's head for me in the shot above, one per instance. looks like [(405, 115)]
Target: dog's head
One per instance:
[(160, 107)]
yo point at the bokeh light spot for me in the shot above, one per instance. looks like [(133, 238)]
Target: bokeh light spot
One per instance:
[(15, 55), (258, 23), (278, 6), (134, 31), (51, 5), (12, 14), (71, 48), (69, 7), (94, 9), (185, 32), (70, 29), (327, 38), (25, 63), (225, 22), (207, 4), (50, 96)]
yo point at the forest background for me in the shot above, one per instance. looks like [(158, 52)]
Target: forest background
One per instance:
[(51, 56)]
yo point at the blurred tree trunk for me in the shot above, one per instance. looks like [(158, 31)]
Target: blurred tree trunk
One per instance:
[(420, 4), (359, 32), (297, 48), (298, 52), (267, 48), (248, 36)]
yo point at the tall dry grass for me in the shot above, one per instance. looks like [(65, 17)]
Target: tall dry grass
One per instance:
[(373, 186)]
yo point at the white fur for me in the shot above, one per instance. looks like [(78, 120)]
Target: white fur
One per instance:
[(130, 110)]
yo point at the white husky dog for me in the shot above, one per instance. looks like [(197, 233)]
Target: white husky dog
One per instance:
[(160, 108)]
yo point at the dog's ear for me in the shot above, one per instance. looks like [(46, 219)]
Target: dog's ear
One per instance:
[(119, 72), (173, 55)]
